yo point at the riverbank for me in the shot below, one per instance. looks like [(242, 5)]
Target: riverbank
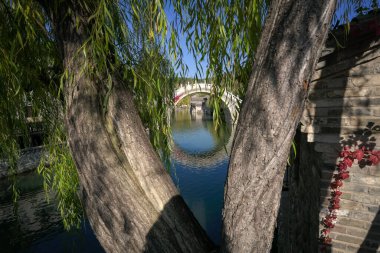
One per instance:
[(29, 160)]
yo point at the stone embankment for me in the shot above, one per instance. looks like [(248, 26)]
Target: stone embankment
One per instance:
[(29, 160)]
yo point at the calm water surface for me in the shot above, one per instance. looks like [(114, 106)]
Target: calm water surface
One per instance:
[(37, 227), (199, 170)]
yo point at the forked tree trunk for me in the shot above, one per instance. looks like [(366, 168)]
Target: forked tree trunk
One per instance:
[(129, 198), (291, 42), (131, 201)]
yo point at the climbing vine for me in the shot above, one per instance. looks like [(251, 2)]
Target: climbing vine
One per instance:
[(347, 157)]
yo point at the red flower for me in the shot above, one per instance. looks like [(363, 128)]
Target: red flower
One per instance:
[(342, 166), (374, 158), (364, 157), (328, 223), (336, 184), (358, 154), (325, 232), (336, 193), (335, 199), (327, 240), (347, 161), (344, 175), (345, 153)]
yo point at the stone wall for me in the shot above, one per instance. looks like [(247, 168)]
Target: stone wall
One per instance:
[(343, 108)]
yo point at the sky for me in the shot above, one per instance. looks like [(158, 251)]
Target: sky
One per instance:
[(187, 55)]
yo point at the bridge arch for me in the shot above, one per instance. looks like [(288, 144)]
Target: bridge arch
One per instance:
[(230, 100)]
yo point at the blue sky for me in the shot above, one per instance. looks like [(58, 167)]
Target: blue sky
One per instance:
[(187, 56)]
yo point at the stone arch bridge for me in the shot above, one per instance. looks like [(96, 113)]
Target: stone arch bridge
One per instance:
[(231, 102)]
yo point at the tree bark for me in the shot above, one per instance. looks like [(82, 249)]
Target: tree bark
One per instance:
[(129, 198), (291, 42)]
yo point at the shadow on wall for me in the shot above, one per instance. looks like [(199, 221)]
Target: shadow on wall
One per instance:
[(339, 104), (342, 108), (372, 239)]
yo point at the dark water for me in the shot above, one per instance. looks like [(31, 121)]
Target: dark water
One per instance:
[(37, 227), (199, 171)]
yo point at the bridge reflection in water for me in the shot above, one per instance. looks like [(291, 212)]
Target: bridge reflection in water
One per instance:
[(200, 161)]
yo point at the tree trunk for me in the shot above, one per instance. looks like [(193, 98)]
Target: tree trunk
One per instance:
[(291, 42), (129, 198)]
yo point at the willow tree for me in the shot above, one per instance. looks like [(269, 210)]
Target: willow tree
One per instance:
[(81, 63)]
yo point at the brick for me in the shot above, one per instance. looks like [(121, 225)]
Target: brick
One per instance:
[(340, 229), (338, 245), (363, 179), (346, 195), (339, 111), (366, 199), (351, 66), (334, 250), (364, 216), (366, 171), (353, 93), (368, 246), (353, 223), (328, 148), (353, 187), (359, 122), (346, 238), (373, 190), (356, 232), (347, 82)]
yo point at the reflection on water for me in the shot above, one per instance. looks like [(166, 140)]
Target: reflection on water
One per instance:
[(37, 227), (200, 167)]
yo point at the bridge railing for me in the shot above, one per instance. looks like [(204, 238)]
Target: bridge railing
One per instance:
[(187, 89), (230, 100)]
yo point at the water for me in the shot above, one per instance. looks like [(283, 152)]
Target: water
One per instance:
[(37, 227), (200, 166)]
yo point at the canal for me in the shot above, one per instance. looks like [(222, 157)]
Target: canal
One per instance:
[(199, 168)]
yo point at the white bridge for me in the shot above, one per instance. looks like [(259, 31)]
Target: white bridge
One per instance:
[(231, 102)]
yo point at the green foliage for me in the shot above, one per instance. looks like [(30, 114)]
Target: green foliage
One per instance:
[(154, 88), (226, 34), (124, 43), (184, 101), (27, 75), (61, 178)]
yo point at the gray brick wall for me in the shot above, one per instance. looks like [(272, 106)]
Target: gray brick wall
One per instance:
[(343, 107)]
